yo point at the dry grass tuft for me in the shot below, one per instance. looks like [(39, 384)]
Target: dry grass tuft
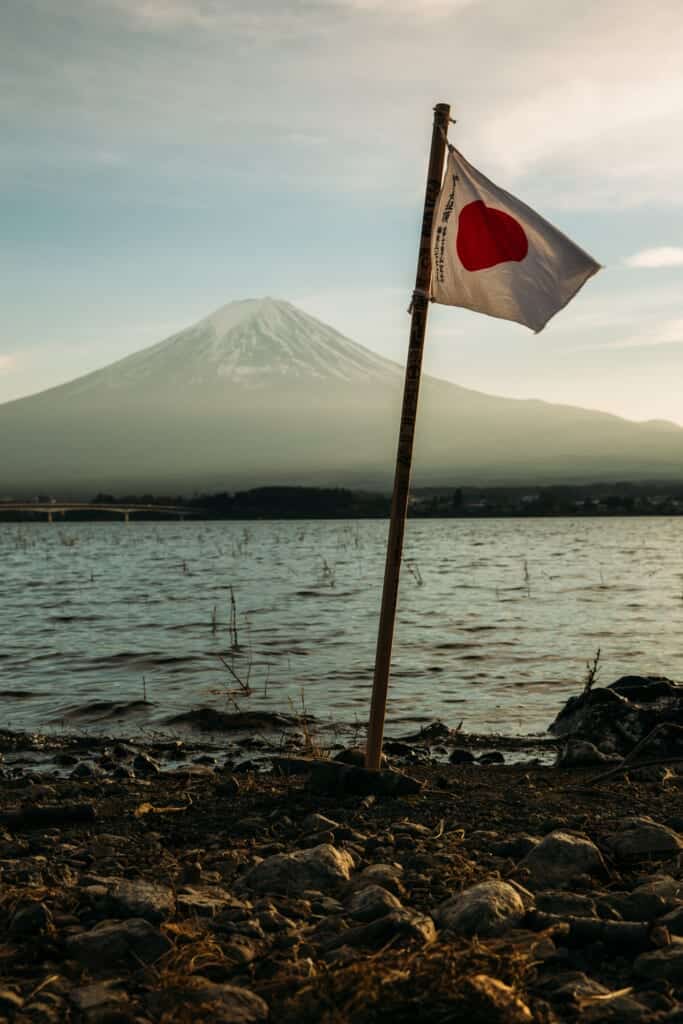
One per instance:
[(435, 985)]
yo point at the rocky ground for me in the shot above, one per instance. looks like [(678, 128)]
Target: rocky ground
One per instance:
[(157, 885)]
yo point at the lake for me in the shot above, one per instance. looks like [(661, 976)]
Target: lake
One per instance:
[(497, 618)]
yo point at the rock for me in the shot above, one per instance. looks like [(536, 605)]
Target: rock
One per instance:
[(665, 964), (639, 838), (561, 857), (220, 1004), (490, 908), (622, 714), (30, 919), (492, 757), (388, 876), (673, 921), (644, 689), (566, 986), (432, 733), (323, 867), (318, 823), (372, 902), (516, 846), (491, 1000), (635, 906), (354, 756), (582, 754), (115, 942), (204, 901), (401, 924), (137, 898), (566, 903), (143, 764), (412, 828), (100, 995), (459, 755)]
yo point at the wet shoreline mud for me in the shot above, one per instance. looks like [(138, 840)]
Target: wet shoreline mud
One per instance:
[(167, 880)]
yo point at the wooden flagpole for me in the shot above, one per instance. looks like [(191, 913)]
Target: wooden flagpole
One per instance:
[(404, 456)]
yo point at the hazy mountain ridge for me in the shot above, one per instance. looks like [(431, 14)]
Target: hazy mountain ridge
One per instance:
[(260, 392)]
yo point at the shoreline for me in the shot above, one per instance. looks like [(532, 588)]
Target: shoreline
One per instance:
[(152, 883)]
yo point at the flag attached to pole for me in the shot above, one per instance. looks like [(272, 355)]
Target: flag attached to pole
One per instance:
[(493, 254)]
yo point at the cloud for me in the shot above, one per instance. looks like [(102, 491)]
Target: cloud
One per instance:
[(543, 93), (664, 256), (7, 363), (667, 332)]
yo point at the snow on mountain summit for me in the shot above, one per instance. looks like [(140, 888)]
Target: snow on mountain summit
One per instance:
[(250, 343)]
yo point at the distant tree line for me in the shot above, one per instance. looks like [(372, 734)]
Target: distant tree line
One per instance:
[(599, 499)]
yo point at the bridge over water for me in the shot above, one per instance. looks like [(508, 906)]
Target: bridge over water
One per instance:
[(60, 508)]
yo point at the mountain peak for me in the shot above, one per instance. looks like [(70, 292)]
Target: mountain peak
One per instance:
[(225, 318)]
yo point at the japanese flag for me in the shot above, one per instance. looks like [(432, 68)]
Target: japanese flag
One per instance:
[(493, 254)]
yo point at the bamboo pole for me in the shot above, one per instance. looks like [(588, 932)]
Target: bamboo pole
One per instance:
[(404, 455)]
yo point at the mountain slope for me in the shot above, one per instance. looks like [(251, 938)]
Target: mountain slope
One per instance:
[(260, 392)]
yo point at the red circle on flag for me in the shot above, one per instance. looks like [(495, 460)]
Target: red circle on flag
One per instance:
[(487, 237)]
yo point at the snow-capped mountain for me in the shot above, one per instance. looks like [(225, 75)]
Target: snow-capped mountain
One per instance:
[(259, 392)]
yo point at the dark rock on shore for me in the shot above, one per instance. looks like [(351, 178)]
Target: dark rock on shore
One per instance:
[(617, 717)]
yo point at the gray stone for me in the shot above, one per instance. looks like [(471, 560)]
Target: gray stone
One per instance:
[(490, 908), (582, 754), (386, 875), (323, 868), (138, 898), (404, 924), (371, 902), (204, 901), (666, 963), (636, 906), (561, 857), (114, 942), (98, 995), (566, 903), (639, 838)]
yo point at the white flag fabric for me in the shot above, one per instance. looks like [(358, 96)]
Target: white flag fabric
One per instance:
[(493, 254)]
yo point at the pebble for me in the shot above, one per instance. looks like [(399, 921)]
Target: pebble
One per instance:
[(639, 838), (559, 859), (113, 942), (371, 902), (459, 755), (665, 964), (323, 867), (137, 898), (490, 908)]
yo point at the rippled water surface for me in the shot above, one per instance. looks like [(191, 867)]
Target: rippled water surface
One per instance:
[(497, 618)]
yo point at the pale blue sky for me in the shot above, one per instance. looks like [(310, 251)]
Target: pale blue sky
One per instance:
[(163, 157)]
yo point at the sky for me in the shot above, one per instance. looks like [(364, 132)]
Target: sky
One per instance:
[(163, 157)]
